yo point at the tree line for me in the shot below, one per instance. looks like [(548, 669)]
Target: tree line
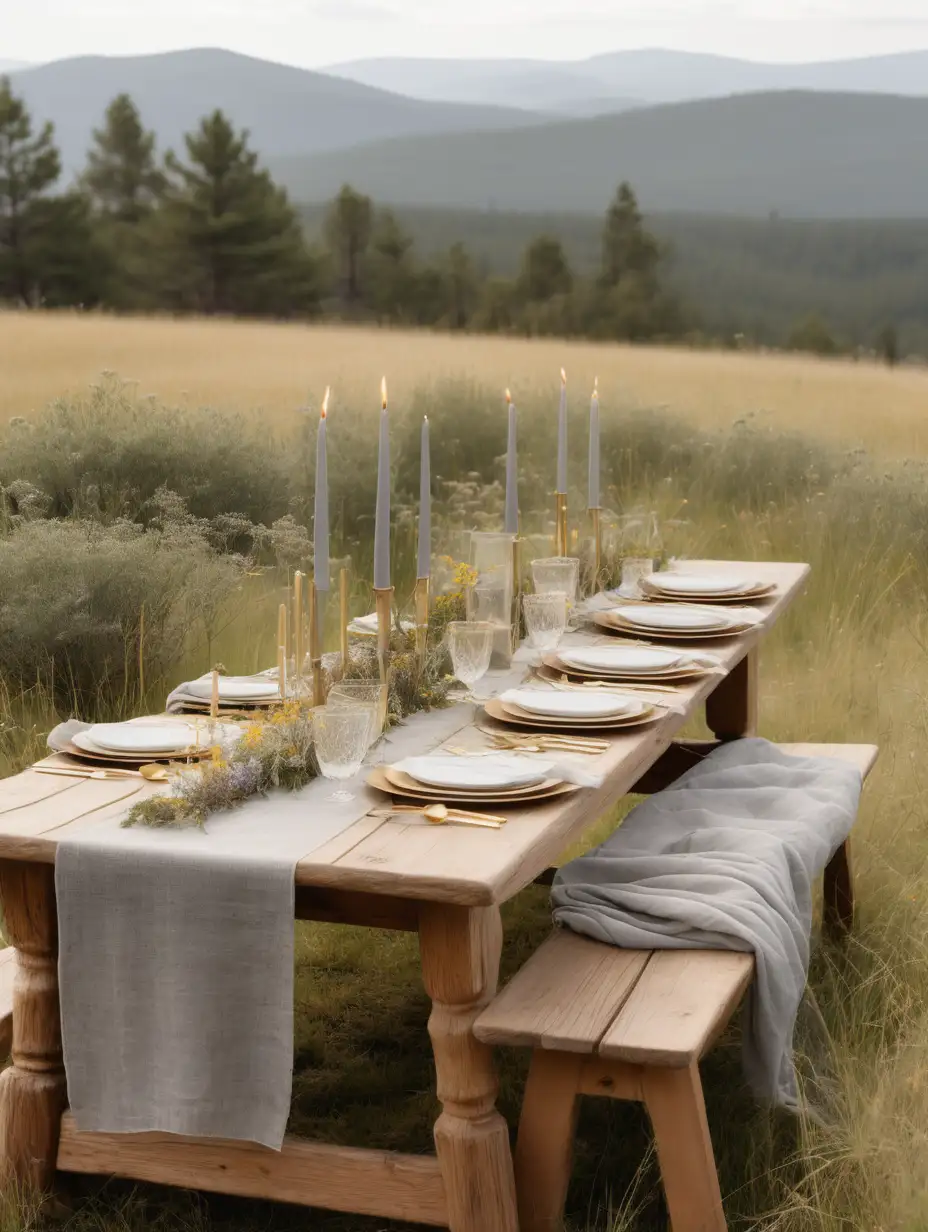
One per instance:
[(210, 232)]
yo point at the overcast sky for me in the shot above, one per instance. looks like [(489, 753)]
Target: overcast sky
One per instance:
[(318, 32)]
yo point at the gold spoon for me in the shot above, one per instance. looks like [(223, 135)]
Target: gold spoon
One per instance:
[(441, 815), (154, 773)]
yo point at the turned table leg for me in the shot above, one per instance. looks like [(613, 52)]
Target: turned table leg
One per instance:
[(32, 1089), (731, 711), (460, 950)]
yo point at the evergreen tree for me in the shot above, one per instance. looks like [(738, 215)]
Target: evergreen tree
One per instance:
[(235, 240), (389, 271), (348, 230), (29, 166), (628, 247), (463, 289), (122, 177), (545, 270)]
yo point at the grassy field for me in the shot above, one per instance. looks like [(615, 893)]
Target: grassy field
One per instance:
[(848, 663), (279, 368)]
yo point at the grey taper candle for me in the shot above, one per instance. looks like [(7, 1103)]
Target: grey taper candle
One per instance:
[(425, 505), (594, 501), (511, 526), (321, 506), (562, 437), (382, 518)]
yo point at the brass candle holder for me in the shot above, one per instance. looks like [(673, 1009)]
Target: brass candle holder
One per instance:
[(560, 532), (299, 647), (282, 650), (383, 603), (422, 618), (343, 618), (596, 517), (516, 592), (315, 645)]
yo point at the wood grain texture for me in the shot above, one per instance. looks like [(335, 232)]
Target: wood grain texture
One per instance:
[(674, 1100), (329, 906), (565, 997), (7, 979), (382, 1183), (460, 949), (678, 1006), (545, 1145), (732, 708), (32, 1089)]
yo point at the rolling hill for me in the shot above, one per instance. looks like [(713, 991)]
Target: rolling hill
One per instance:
[(287, 110), (798, 154), (626, 77)]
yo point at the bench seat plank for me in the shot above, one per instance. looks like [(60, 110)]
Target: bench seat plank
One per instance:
[(565, 997), (680, 1004)]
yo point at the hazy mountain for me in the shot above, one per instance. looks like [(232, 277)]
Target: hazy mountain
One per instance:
[(646, 76), (10, 66), (287, 110), (801, 154)]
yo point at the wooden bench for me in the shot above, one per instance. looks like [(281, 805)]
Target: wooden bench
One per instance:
[(630, 1024)]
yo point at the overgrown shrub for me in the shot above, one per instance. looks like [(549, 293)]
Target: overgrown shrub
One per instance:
[(107, 452), (82, 604)]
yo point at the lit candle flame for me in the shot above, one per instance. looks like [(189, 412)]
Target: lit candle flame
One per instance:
[(595, 386), (325, 402), (563, 377), (508, 398), (383, 393)]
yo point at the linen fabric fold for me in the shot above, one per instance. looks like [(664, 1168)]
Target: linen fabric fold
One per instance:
[(725, 858)]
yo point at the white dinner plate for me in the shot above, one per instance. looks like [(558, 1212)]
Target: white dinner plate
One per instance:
[(480, 773), (369, 625), (553, 703), (139, 737), (674, 616), (701, 583), (235, 689), (638, 659)]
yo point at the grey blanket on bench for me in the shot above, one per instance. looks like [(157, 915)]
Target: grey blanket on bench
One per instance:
[(725, 858)]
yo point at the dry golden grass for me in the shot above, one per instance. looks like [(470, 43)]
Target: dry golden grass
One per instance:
[(279, 367)]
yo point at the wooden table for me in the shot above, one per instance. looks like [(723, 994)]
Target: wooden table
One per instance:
[(445, 883)]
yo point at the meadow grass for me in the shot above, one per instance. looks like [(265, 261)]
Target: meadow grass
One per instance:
[(280, 368), (849, 662)]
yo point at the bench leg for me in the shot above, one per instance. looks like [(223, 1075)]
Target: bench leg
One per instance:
[(460, 950), (839, 891), (32, 1089), (731, 710), (545, 1147), (674, 1100)]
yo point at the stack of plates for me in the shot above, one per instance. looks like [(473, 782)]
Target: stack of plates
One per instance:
[(638, 664), (466, 780), (557, 710), (235, 692), (141, 741), (705, 587), (676, 621)]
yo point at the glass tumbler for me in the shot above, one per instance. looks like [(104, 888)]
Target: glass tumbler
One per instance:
[(545, 619), (470, 643), (341, 741)]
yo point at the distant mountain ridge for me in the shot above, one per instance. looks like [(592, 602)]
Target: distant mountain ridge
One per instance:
[(288, 111), (803, 155), (642, 77)]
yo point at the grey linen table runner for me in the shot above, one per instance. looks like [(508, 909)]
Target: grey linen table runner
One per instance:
[(725, 858), (176, 958)]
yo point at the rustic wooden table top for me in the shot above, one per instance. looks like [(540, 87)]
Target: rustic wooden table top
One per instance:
[(411, 859)]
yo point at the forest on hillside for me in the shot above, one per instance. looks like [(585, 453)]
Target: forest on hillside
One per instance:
[(209, 231)]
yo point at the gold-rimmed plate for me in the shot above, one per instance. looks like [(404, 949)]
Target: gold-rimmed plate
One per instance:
[(551, 788), (615, 625), (692, 671), (503, 714)]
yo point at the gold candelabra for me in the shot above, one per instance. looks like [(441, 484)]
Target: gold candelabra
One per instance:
[(383, 602), (343, 617), (596, 516), (422, 618), (560, 533)]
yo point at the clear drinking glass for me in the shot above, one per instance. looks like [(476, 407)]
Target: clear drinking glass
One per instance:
[(368, 693), (470, 643), (545, 619), (557, 573), (341, 741), (634, 568)]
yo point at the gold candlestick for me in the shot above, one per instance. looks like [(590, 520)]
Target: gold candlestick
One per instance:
[(560, 534), (422, 618), (516, 592), (214, 698), (282, 650), (595, 515), (299, 648), (383, 599), (315, 646), (343, 616)]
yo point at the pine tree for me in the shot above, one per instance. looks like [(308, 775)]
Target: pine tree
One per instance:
[(29, 166), (628, 248), (389, 270), (236, 243), (348, 230), (122, 178), (545, 271)]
